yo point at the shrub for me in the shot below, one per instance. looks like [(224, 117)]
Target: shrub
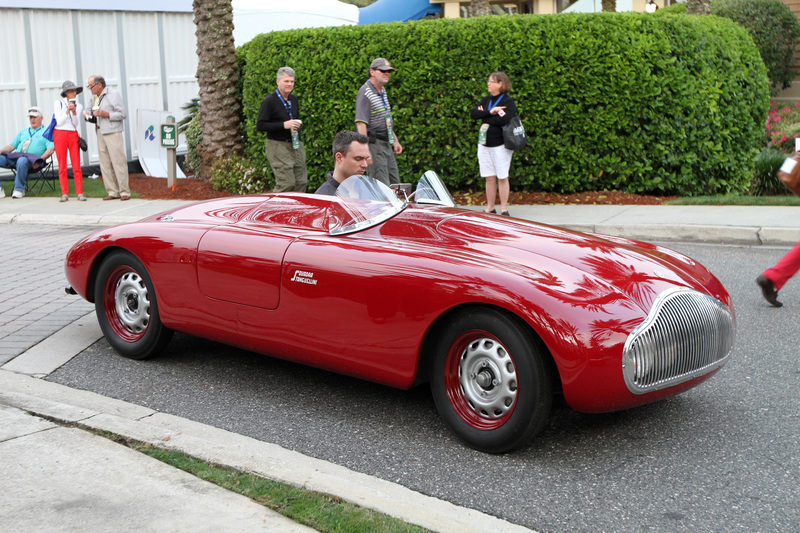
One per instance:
[(775, 30), (194, 136), (239, 175), (765, 173), (667, 105), (783, 127)]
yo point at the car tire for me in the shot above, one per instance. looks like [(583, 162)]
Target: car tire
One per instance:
[(491, 380), (126, 307)]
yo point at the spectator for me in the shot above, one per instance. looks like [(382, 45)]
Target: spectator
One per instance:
[(773, 279), (279, 116), (494, 112), (28, 151), (374, 119), (65, 138), (350, 155), (107, 114)]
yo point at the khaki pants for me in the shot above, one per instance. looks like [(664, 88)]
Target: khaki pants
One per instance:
[(288, 165), (113, 164), (384, 165)]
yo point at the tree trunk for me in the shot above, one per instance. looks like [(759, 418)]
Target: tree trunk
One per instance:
[(218, 77), (479, 8), (698, 7), (609, 6)]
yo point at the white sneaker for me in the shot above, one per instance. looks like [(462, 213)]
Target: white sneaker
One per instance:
[(2, 193), (17, 194)]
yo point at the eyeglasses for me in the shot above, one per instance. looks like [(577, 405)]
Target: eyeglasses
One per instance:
[(90, 87)]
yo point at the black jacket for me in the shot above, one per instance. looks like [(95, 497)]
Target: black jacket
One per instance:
[(494, 136)]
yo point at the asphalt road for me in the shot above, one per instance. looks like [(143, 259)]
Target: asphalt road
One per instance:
[(722, 457)]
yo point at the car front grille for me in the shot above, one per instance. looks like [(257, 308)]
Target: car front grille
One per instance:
[(685, 335)]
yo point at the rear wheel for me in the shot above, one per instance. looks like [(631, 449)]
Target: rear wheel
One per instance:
[(490, 380), (126, 307)]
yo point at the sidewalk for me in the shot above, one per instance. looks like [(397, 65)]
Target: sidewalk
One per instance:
[(749, 225), (63, 478)]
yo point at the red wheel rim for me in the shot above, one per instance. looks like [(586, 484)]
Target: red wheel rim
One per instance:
[(480, 379), (127, 303)]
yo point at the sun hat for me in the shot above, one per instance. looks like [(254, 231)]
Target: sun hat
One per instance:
[(34, 111), (69, 86)]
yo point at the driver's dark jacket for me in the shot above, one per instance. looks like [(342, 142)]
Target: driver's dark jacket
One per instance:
[(329, 187)]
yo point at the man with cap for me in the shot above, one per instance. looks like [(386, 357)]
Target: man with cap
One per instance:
[(374, 119), (27, 151)]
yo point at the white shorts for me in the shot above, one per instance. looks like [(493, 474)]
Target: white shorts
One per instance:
[(494, 161)]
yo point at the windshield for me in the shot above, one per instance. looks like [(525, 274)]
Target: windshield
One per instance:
[(366, 202)]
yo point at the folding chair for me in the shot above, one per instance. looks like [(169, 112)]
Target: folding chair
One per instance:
[(39, 178)]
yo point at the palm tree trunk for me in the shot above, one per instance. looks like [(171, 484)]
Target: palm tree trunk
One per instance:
[(479, 8), (609, 6), (218, 77), (698, 7)]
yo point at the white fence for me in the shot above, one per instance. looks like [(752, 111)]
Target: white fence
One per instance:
[(149, 57)]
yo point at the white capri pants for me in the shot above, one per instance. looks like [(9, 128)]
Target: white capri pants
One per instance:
[(494, 161)]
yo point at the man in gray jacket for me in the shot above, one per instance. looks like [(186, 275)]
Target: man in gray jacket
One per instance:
[(107, 113)]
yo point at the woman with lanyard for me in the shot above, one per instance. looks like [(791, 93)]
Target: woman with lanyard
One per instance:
[(494, 112), (65, 138)]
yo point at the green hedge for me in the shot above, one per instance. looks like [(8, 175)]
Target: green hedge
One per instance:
[(671, 104)]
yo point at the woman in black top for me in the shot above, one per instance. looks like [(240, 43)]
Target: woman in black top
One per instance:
[(494, 112)]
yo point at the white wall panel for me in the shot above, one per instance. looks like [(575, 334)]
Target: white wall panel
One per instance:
[(125, 47), (14, 90)]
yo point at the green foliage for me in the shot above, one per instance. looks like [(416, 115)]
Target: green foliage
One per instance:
[(674, 9), (239, 175), (625, 101), (775, 30), (194, 136), (765, 174), (191, 109)]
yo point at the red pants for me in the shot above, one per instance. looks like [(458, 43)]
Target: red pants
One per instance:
[(67, 141), (785, 269)]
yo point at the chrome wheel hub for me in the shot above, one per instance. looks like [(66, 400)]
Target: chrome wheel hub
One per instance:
[(488, 378), (132, 302)]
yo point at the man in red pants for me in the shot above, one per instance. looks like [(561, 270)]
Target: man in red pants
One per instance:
[(773, 279)]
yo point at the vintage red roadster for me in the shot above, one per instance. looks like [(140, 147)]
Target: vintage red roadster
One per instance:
[(400, 287)]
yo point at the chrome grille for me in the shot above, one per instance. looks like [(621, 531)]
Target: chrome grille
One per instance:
[(685, 335)]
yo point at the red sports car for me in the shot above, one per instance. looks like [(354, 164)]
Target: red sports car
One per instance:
[(402, 287)]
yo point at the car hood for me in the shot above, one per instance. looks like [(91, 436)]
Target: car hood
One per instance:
[(640, 271)]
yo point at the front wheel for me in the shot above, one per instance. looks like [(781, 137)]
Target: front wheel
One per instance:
[(490, 380), (126, 307)]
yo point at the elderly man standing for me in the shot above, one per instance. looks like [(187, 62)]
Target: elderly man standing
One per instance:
[(279, 116), (374, 119), (107, 114), (26, 152)]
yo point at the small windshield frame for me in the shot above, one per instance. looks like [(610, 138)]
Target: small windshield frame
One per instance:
[(365, 203)]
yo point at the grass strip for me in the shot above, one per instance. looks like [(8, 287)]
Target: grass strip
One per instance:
[(737, 200), (92, 188), (320, 511)]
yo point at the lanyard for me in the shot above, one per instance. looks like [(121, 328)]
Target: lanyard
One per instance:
[(287, 105), (32, 132), (491, 105), (382, 94)]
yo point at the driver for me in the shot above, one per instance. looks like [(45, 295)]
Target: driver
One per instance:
[(351, 156)]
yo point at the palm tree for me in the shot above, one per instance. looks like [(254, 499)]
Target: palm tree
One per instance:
[(218, 78), (698, 7), (479, 8), (609, 6)]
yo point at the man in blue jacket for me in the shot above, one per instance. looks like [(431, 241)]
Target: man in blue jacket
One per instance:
[(28, 151)]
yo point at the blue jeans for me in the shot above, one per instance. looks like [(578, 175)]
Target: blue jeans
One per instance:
[(23, 166)]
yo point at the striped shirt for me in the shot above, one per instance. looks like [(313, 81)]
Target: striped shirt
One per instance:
[(371, 109)]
